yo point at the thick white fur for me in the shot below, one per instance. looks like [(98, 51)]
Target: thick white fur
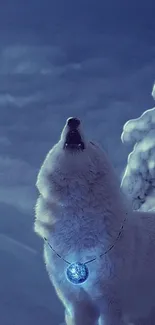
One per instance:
[(80, 211)]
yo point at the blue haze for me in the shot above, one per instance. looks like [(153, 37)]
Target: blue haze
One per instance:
[(90, 59)]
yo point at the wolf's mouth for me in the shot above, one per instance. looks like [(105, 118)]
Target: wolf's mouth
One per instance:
[(74, 141)]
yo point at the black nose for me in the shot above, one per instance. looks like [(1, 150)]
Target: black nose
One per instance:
[(73, 122)]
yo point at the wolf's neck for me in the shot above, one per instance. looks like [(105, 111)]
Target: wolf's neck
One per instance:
[(96, 217), (100, 201)]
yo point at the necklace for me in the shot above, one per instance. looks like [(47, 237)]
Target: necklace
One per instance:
[(78, 272)]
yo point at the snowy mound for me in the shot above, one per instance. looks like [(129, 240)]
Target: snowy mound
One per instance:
[(139, 178)]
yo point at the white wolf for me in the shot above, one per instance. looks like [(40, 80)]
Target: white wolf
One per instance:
[(84, 217)]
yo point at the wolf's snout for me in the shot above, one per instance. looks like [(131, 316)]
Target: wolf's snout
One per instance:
[(73, 122), (73, 138)]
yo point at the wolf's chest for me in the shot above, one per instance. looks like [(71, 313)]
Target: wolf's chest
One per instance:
[(78, 235)]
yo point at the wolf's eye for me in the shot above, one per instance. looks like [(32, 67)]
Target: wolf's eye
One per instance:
[(92, 143)]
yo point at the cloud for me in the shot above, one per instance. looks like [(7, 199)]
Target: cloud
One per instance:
[(17, 183), (18, 101), (4, 141), (15, 171), (21, 197), (24, 59)]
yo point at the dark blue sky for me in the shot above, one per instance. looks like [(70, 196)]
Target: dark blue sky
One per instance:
[(90, 59)]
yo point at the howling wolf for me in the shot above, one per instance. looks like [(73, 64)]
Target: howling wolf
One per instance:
[(99, 253)]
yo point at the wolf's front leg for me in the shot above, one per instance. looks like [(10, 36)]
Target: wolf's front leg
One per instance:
[(110, 313), (111, 320), (82, 313)]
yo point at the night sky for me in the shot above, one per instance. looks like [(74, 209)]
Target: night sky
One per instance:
[(91, 59)]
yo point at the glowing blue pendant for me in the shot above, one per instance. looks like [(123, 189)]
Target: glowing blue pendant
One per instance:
[(77, 273)]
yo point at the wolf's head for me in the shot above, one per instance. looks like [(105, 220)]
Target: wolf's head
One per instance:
[(75, 164), (74, 152)]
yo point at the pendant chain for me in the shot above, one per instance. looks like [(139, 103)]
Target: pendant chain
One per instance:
[(108, 250)]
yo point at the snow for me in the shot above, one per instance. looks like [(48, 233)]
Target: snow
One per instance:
[(139, 178)]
